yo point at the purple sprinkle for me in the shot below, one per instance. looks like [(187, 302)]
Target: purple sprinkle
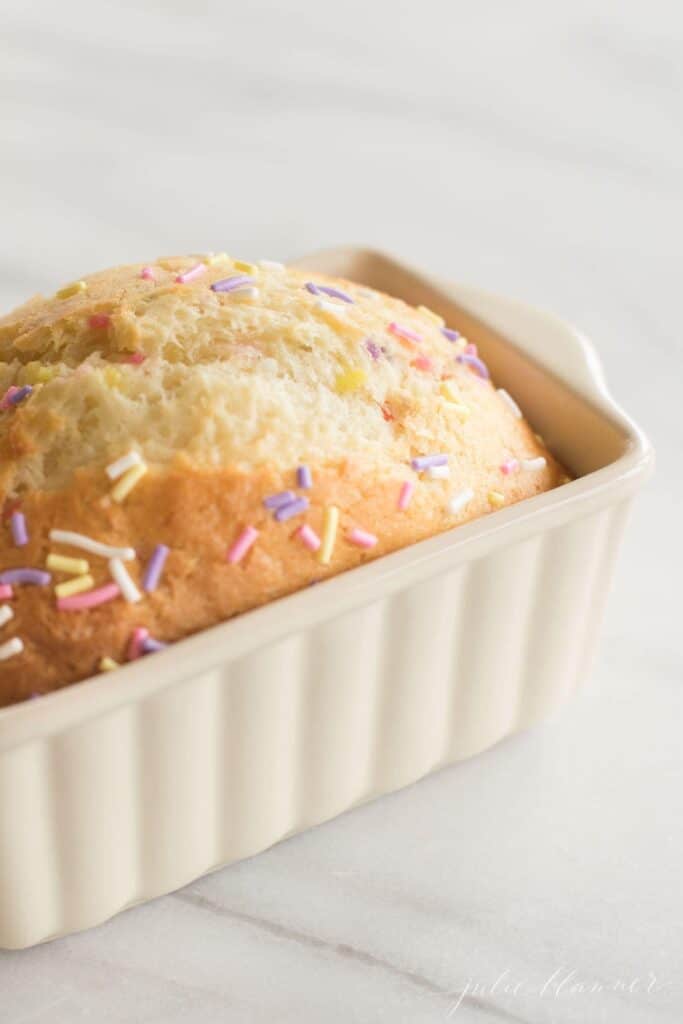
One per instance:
[(374, 350), (425, 461), (304, 478), (20, 395), (19, 531), (476, 364), (324, 289), (231, 284), (154, 568), (294, 508), (150, 646), (280, 499), (449, 333), (35, 576)]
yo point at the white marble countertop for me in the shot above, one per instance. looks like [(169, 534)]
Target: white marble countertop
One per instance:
[(532, 148)]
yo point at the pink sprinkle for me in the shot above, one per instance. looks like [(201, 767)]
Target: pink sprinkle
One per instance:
[(148, 274), (509, 466), (192, 274), (137, 639), (5, 401), (422, 363), (405, 333), (405, 495), (309, 537), (98, 320), (245, 540), (471, 349), (135, 358), (90, 599), (6, 592), (361, 538)]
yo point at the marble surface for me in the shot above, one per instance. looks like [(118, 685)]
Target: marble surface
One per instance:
[(533, 148)]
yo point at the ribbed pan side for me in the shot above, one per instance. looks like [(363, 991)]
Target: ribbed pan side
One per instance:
[(145, 798)]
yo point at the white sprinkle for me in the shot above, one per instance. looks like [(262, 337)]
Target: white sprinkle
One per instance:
[(118, 468), (533, 464), (79, 540), (438, 472), (459, 500), (248, 291), (12, 647), (6, 614), (336, 308), (120, 575), (271, 265), (510, 402)]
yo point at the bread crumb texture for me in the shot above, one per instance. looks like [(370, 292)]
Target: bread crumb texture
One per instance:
[(224, 378)]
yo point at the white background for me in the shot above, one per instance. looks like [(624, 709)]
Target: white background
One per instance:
[(531, 147)]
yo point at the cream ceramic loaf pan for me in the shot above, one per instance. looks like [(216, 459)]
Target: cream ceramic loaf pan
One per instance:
[(129, 785)]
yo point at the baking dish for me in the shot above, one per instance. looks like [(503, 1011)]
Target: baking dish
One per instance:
[(132, 784)]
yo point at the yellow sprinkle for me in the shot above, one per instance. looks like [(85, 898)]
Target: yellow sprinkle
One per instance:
[(216, 257), (350, 380), (112, 377), (432, 316), (246, 268), (75, 586), (71, 289), (330, 525), (35, 373), (125, 484), (107, 664), (450, 391), (496, 499), (60, 563)]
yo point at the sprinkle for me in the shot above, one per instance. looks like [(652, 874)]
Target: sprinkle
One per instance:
[(135, 358), (450, 392), (294, 508), (534, 464), (127, 482), (19, 394), (271, 265), (239, 548), (496, 499), (60, 563), (449, 333), (304, 478), (90, 599), (374, 350), (331, 522), (155, 567), (108, 664), (95, 547), (71, 289), (148, 274), (324, 289), (192, 274), (116, 469), (404, 495), (6, 614), (6, 592), (422, 363), (112, 377), (438, 472), (470, 349), (431, 315), (10, 648), (277, 500), (34, 576), (510, 402), (19, 531), (425, 461), (215, 257), (121, 576), (151, 646), (475, 362), (458, 501), (349, 381), (309, 537), (509, 466), (361, 538), (248, 268), (137, 639), (99, 320), (333, 309), (405, 333), (6, 399), (75, 586), (232, 284)]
